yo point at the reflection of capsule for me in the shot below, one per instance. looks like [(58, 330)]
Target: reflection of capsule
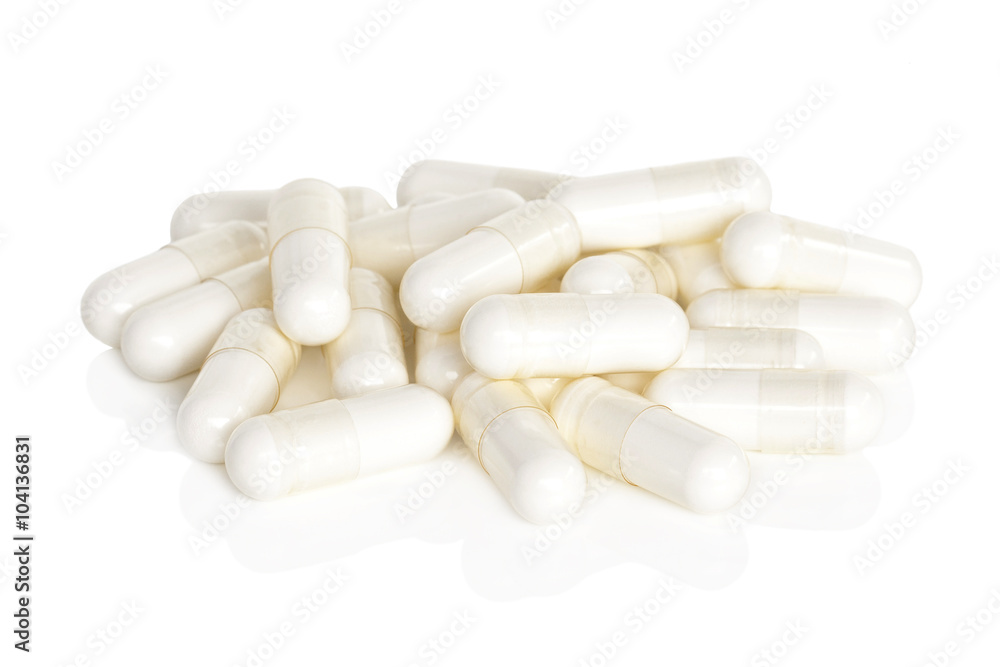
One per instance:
[(241, 378), (697, 269), (335, 441), (620, 272), (734, 348), (778, 411), (637, 441), (459, 178), (440, 362)]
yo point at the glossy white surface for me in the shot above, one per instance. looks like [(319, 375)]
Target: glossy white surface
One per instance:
[(440, 362), (460, 178), (619, 272), (697, 268), (735, 348)]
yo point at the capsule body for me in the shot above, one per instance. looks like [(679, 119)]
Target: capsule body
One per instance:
[(516, 252), (519, 446), (647, 445), (440, 362), (242, 377), (683, 203), (777, 411), (114, 296), (458, 178), (766, 250), (620, 272), (368, 356), (858, 333), (569, 335), (391, 241), (173, 336), (734, 348), (697, 268), (333, 441), (310, 261)]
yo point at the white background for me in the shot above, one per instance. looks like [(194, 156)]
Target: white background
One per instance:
[(798, 562)]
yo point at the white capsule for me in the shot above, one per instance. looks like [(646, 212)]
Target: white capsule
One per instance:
[(570, 335), (682, 203), (173, 336), (633, 382), (646, 445), (777, 411), (766, 250), (391, 241), (697, 269), (201, 212), (368, 356), (619, 272), (545, 389), (114, 296), (333, 441), (242, 377), (458, 178), (858, 333), (734, 348), (519, 446), (440, 362), (310, 261), (515, 252)]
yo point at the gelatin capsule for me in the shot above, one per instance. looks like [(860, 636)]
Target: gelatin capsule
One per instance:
[(459, 178), (519, 446), (333, 441), (697, 269), (440, 362), (620, 272), (242, 377), (776, 411), (734, 348)]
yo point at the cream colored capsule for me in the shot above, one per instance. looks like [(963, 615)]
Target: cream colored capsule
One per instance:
[(440, 362), (458, 178), (697, 268), (734, 348), (619, 272)]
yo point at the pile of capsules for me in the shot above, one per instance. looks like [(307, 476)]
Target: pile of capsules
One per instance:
[(547, 310)]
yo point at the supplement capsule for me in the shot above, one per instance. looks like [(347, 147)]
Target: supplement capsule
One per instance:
[(545, 389), (391, 241), (697, 269), (858, 333), (199, 213), (519, 446), (458, 178), (646, 445), (333, 441), (636, 271), (777, 411), (310, 261), (767, 250), (516, 252), (173, 336), (368, 356), (440, 362), (733, 348), (113, 297), (570, 335), (682, 203), (242, 377)]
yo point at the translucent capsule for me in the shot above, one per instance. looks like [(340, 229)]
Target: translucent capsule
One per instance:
[(391, 241), (620, 272), (173, 336), (310, 261), (569, 335), (333, 441), (368, 356), (777, 411), (545, 389), (734, 348), (440, 362), (201, 212), (646, 445), (697, 269), (457, 178), (516, 252), (114, 296), (519, 446), (242, 378), (858, 333), (682, 203), (766, 250)]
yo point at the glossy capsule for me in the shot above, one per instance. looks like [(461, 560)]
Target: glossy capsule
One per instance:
[(767, 250), (734, 348), (459, 178), (440, 362), (858, 333), (242, 377), (776, 411), (334, 441), (619, 272), (368, 356), (515, 252), (683, 203), (697, 269), (646, 445), (114, 296), (569, 335), (173, 336), (519, 446)]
